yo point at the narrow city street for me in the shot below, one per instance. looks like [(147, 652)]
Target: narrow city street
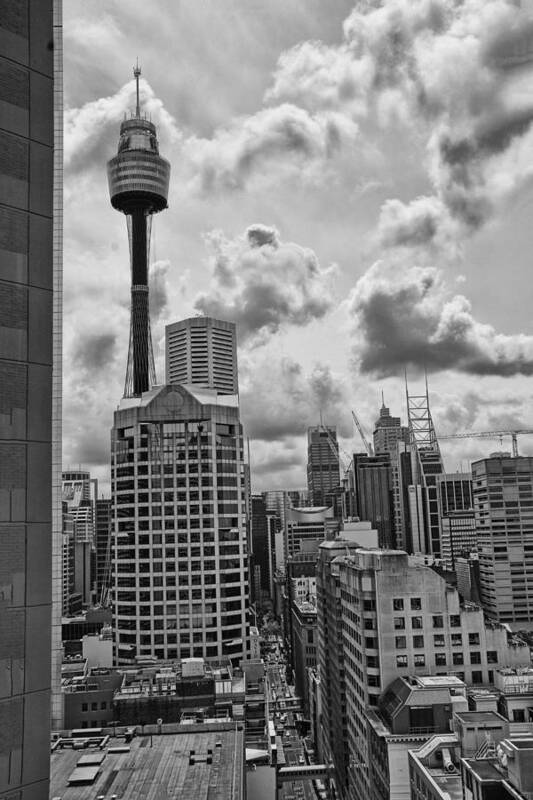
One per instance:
[(283, 710)]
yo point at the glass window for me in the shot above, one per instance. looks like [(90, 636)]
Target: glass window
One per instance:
[(416, 603), (457, 639), (416, 622), (401, 661), (399, 623), (458, 658), (455, 620), (492, 657), (473, 638), (438, 621), (397, 604), (420, 660), (475, 658), (440, 659), (418, 641), (401, 642), (438, 640)]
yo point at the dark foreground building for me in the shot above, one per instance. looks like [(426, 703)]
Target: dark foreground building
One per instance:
[(26, 356)]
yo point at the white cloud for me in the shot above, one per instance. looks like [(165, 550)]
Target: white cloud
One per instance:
[(264, 284)]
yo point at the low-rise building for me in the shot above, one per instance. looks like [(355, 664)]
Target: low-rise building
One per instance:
[(190, 686), (410, 711), (201, 761)]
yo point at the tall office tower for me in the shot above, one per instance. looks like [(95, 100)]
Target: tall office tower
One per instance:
[(304, 525), (456, 516), (138, 186), (179, 525), (388, 431), (79, 489), (503, 504), (102, 535), (202, 351), (389, 437), (277, 501), (261, 565), (26, 361), (332, 724), (323, 471), (421, 517), (398, 619), (372, 494)]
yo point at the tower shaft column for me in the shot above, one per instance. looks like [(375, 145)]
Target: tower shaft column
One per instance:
[(139, 247)]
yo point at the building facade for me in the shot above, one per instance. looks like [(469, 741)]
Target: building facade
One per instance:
[(29, 233), (102, 534), (180, 561), (202, 351), (503, 503), (401, 619), (306, 525), (323, 471), (331, 721), (373, 494), (389, 433)]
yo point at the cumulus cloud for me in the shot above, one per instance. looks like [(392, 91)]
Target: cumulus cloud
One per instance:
[(408, 317), (95, 350), (263, 283), (424, 225), (454, 70), (279, 399), (265, 143)]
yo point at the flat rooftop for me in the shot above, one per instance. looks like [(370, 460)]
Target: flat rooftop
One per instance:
[(450, 785), (484, 769), (479, 717), (157, 767)]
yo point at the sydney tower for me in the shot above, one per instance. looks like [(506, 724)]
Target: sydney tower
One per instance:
[(138, 185)]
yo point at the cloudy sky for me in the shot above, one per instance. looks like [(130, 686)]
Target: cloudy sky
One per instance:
[(352, 183)]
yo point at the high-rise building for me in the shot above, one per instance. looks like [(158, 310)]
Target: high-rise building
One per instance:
[(503, 503), (388, 430), (306, 525), (78, 488), (400, 618), (29, 275), (456, 515), (202, 351), (102, 534), (179, 525), (332, 722), (138, 180), (323, 471), (390, 436), (373, 495), (262, 549), (178, 477)]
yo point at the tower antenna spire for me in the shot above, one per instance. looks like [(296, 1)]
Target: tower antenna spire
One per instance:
[(137, 73)]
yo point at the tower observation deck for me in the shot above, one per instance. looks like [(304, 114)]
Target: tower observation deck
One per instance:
[(138, 180)]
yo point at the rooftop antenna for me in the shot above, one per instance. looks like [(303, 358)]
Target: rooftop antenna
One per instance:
[(136, 73)]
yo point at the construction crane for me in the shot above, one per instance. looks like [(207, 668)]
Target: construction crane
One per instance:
[(491, 435), (368, 447)]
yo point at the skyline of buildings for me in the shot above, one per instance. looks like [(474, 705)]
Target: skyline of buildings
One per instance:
[(364, 624)]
